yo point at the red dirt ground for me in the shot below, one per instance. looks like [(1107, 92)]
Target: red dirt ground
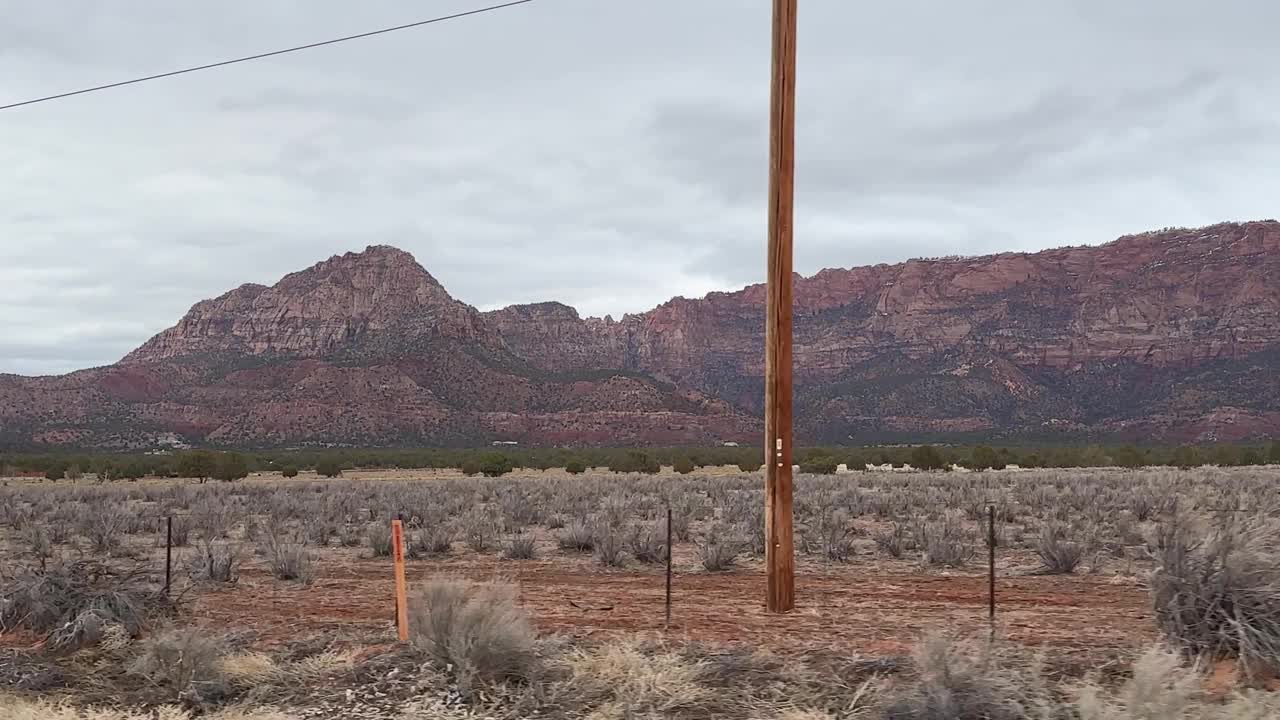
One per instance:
[(880, 612)]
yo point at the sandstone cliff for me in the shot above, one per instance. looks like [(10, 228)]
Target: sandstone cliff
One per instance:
[(1170, 335)]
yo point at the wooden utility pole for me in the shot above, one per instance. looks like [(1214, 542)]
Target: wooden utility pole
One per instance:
[(779, 545)]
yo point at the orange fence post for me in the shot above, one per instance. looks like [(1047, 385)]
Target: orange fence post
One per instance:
[(402, 599)]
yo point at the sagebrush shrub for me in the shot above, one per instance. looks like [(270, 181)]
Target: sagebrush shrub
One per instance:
[(577, 536), (520, 547), (434, 541), (379, 537), (969, 683), (894, 541), (289, 561), (719, 550), (1218, 592), (945, 542), (647, 542), (184, 662), (608, 546), (474, 631), (1059, 554)]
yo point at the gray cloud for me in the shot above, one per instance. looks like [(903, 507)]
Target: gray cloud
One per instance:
[(609, 155)]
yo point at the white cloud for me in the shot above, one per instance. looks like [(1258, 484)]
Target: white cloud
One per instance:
[(607, 155)]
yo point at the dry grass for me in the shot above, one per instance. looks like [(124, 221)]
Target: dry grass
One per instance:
[(15, 708), (620, 680)]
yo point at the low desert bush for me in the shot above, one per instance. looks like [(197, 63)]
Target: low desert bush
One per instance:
[(1218, 593), (577, 536), (289, 561), (1162, 687), (719, 551), (481, 530), (894, 541), (184, 663), (434, 541), (647, 542), (103, 527), (181, 534), (378, 536), (217, 562), (945, 542), (608, 546), (474, 631), (520, 547), (1059, 555), (957, 682)]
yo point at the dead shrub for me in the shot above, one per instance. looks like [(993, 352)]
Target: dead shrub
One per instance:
[(103, 526), (76, 603), (474, 631), (181, 535)]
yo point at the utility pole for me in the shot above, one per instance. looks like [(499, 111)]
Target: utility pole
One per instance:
[(779, 544)]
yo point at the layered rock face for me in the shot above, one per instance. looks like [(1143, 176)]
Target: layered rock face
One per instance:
[(1171, 336)]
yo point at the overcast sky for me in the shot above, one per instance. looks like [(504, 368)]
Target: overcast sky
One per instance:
[(606, 153)]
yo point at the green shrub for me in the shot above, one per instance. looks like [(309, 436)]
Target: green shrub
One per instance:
[(927, 457), (683, 465), (985, 457), (575, 466), (289, 471), (819, 465), (230, 467), (495, 465), (636, 461), (329, 468), (750, 466)]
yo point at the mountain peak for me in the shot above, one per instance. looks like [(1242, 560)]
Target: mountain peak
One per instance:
[(314, 312)]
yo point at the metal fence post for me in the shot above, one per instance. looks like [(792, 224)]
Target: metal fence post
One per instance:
[(168, 554), (668, 623), (991, 564)]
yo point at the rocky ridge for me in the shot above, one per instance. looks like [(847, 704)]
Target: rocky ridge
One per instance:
[(1171, 335)]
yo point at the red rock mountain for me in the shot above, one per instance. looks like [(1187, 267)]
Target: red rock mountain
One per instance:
[(1170, 336)]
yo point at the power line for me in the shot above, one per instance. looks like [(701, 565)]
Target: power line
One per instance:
[(273, 53)]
